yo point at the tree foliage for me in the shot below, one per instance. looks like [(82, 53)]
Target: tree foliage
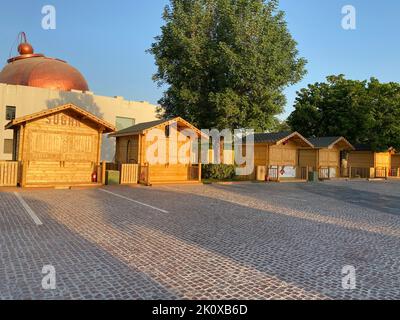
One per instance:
[(366, 112), (225, 63)]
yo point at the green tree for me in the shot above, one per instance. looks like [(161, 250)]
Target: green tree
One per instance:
[(225, 63), (280, 126), (364, 112)]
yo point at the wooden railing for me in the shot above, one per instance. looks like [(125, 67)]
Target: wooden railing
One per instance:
[(363, 173), (273, 173), (394, 172), (303, 173), (9, 173), (324, 173), (381, 173), (129, 173)]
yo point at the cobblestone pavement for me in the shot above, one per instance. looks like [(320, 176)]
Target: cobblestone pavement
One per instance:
[(245, 241)]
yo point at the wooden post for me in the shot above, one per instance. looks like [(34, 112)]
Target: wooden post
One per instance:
[(103, 172), (200, 173), (139, 156), (21, 142), (148, 175), (199, 163), (99, 146), (24, 172), (278, 175), (98, 171)]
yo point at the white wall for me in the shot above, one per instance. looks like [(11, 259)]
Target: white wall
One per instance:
[(30, 100)]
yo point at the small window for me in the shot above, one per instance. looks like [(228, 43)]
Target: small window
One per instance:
[(10, 113), (123, 123), (8, 146), (167, 131)]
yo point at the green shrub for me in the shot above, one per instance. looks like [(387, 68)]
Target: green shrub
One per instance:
[(219, 171)]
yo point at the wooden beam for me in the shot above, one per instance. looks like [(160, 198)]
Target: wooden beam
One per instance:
[(200, 172), (100, 142), (47, 112), (21, 142), (148, 175), (24, 173), (103, 172), (140, 149)]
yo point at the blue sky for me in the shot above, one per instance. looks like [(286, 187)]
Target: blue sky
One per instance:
[(106, 40)]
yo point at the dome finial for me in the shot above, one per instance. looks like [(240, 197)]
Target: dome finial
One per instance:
[(24, 47)]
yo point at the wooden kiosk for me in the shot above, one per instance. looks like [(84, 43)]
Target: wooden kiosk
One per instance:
[(134, 143), (395, 172), (58, 147), (276, 156), (366, 163), (325, 157)]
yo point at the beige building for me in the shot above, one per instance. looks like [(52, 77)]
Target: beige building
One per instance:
[(33, 82)]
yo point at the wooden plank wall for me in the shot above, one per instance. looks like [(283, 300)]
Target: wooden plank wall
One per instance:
[(396, 161), (308, 158), (361, 159), (8, 173), (166, 173), (283, 155), (129, 173), (329, 158), (56, 172), (60, 149), (169, 172), (60, 138), (260, 154), (383, 160)]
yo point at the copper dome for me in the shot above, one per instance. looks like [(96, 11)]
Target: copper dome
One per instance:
[(36, 70)]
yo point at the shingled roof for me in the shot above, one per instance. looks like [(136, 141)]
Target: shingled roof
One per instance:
[(323, 142), (142, 128), (363, 147), (279, 137), (67, 107), (139, 128), (328, 142), (272, 137), (368, 147)]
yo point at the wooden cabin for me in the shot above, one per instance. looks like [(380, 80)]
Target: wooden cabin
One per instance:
[(363, 162), (58, 147), (395, 172), (325, 158), (162, 139), (276, 156)]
